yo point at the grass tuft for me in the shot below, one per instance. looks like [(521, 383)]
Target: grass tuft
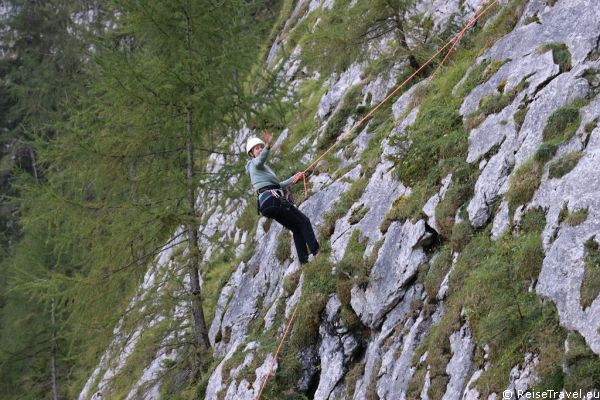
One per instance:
[(564, 165), (560, 55), (590, 287), (523, 184), (562, 125)]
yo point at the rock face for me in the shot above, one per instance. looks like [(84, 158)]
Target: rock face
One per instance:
[(392, 306), (396, 265)]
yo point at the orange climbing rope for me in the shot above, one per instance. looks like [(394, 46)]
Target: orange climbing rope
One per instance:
[(453, 43), (285, 334)]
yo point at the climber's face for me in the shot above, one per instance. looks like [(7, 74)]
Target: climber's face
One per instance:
[(256, 150)]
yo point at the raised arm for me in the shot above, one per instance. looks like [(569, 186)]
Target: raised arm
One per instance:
[(262, 158)]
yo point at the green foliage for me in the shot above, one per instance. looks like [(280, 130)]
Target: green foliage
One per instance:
[(318, 284), (290, 282), (481, 73), (572, 218), (590, 287), (523, 184), (353, 265), (284, 247), (344, 33), (352, 377), (520, 114), (438, 137), (531, 19), (562, 125), (462, 233), (501, 310), (406, 207), (564, 165), (494, 103), (560, 55), (458, 193), (342, 206), (440, 265), (348, 108), (216, 274), (545, 152), (249, 217), (533, 220), (590, 126), (358, 214), (582, 365)]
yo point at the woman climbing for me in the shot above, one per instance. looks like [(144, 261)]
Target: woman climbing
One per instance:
[(271, 201)]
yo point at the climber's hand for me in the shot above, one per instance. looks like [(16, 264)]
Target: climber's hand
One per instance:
[(297, 177), (267, 137)]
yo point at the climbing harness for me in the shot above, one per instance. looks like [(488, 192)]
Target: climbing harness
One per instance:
[(452, 43)]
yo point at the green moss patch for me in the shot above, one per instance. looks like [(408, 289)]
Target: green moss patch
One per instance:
[(461, 235), (318, 284), (216, 274), (406, 207), (582, 365), (348, 108), (457, 195), (520, 114), (545, 152), (590, 287), (560, 55), (358, 214), (346, 200), (523, 184), (284, 247), (533, 220), (494, 103), (562, 125), (564, 165), (440, 265), (572, 218)]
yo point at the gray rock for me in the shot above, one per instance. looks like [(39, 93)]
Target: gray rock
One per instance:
[(309, 359), (460, 365), (557, 26), (431, 204), (401, 105), (379, 194), (562, 270), (398, 317), (518, 148), (336, 348), (397, 263), (397, 371), (523, 377), (383, 83), (338, 89), (501, 221)]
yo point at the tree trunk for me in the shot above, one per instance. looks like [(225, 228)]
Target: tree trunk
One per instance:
[(401, 36), (200, 330), (33, 165), (53, 352)]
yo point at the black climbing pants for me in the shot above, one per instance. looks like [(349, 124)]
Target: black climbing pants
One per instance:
[(293, 219)]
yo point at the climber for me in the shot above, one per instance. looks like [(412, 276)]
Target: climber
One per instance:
[(271, 200)]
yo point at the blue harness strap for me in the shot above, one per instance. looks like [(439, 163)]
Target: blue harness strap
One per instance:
[(277, 193)]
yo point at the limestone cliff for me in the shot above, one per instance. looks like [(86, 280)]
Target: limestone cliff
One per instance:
[(455, 264)]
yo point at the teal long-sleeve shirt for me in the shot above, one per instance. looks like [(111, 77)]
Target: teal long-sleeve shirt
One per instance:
[(260, 173)]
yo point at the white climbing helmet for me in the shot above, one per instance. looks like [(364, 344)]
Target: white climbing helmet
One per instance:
[(251, 143)]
